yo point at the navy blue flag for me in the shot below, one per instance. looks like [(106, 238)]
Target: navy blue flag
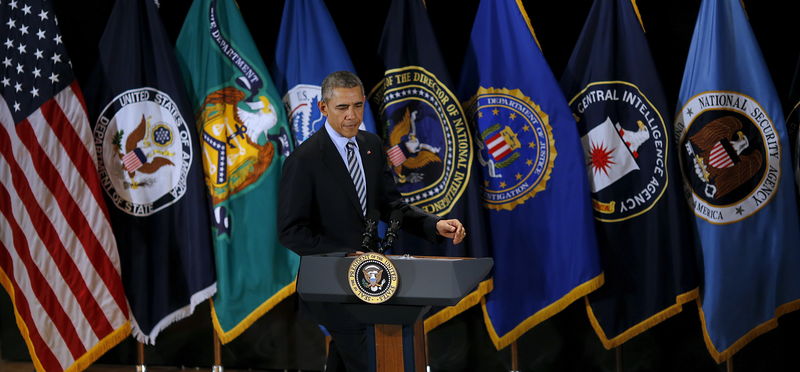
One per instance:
[(426, 137), (150, 167), (309, 48), (734, 156), (534, 187), (793, 123), (640, 214)]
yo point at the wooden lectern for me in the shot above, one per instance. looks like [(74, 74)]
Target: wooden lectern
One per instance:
[(424, 282)]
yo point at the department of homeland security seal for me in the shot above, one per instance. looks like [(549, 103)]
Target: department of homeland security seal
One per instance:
[(730, 155), (625, 143), (373, 278), (517, 148), (429, 147), (304, 115), (143, 150)]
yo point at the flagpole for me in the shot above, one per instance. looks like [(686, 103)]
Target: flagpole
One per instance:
[(217, 367), (140, 357), (514, 357), (729, 364), (618, 357)]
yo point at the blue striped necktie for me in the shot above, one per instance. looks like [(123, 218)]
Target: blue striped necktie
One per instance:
[(357, 175)]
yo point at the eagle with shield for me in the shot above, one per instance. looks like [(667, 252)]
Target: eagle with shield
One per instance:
[(722, 160)]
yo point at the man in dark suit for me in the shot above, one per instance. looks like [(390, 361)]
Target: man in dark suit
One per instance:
[(329, 184)]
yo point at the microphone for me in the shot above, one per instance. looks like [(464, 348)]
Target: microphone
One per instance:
[(395, 221), (370, 228)]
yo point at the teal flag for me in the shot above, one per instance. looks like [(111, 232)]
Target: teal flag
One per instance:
[(244, 140)]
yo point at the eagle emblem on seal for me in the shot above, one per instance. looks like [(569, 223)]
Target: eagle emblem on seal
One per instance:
[(721, 162), (135, 158), (419, 154), (232, 133)]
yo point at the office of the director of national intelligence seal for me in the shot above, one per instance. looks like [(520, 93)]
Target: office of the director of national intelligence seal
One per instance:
[(626, 145), (373, 278), (730, 155), (516, 146), (144, 151), (428, 145)]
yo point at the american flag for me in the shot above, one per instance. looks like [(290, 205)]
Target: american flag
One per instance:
[(58, 256)]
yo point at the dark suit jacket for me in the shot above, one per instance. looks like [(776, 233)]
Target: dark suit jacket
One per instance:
[(319, 212)]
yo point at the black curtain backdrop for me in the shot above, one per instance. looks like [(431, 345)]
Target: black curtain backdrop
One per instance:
[(566, 342)]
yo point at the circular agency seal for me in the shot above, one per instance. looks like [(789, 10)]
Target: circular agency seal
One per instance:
[(516, 146), (729, 154), (429, 147), (626, 146), (304, 115), (144, 151), (373, 278)]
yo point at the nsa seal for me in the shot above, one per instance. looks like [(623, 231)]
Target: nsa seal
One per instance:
[(517, 149), (304, 115), (429, 147), (372, 278), (143, 151), (625, 144), (730, 155)]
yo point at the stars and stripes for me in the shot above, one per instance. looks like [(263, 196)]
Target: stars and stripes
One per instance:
[(719, 158), (133, 160), (58, 256)]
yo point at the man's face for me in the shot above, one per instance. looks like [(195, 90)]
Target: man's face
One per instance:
[(345, 110)]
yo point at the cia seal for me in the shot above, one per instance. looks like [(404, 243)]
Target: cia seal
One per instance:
[(625, 144), (304, 115), (516, 146), (730, 155), (373, 278), (429, 147), (143, 150)]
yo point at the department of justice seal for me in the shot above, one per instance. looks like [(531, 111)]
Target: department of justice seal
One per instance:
[(428, 147), (516, 146), (730, 155), (143, 150), (373, 278), (625, 144)]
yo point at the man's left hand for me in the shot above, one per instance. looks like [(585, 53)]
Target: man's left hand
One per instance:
[(451, 229)]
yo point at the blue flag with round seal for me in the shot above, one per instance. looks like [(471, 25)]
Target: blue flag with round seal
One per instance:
[(734, 156), (308, 49), (534, 187), (427, 140), (150, 163), (626, 132)]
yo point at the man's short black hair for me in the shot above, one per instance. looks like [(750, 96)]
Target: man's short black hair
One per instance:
[(339, 79)]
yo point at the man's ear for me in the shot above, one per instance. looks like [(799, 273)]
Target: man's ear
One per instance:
[(323, 107)]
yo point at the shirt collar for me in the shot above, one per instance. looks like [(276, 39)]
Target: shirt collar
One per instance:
[(339, 140)]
